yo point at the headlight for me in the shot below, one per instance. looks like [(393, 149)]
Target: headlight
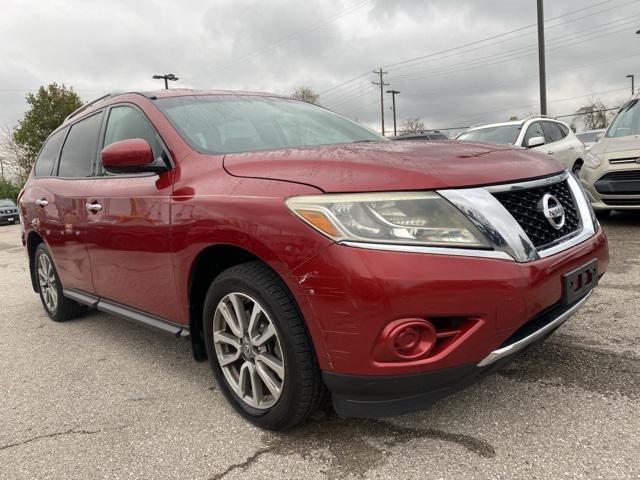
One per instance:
[(409, 218), (592, 161)]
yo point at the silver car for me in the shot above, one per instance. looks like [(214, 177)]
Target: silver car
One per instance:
[(544, 134), (611, 173)]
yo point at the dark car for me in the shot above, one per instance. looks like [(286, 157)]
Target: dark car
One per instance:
[(303, 254), (8, 212), (423, 135)]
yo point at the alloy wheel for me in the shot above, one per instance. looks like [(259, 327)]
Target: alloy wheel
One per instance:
[(248, 350), (47, 282)]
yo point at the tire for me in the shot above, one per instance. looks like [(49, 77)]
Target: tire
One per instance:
[(600, 214), (254, 287), (576, 168), (50, 288)]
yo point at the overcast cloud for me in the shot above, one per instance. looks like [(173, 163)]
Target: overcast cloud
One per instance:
[(101, 46)]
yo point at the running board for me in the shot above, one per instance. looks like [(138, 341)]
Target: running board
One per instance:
[(136, 316)]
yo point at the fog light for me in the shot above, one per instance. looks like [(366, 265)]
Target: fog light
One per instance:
[(409, 339)]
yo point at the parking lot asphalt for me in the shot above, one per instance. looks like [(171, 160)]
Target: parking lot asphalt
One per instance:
[(99, 397)]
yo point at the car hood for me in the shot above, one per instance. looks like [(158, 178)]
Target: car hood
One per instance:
[(385, 166), (617, 147)]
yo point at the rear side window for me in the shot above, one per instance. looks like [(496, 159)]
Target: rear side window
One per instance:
[(534, 130), (126, 123), (552, 132), (79, 150), (564, 129), (49, 154)]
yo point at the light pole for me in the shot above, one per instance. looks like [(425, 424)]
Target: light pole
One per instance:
[(633, 89), (541, 59), (166, 77), (393, 101)]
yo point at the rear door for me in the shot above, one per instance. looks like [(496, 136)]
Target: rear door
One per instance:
[(61, 198), (129, 225), (557, 147)]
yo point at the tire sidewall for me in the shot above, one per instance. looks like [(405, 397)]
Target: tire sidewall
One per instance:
[(289, 396)]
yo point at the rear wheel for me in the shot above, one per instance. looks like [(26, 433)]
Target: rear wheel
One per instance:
[(58, 307), (259, 349)]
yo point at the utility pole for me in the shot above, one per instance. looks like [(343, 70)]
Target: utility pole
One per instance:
[(381, 84), (633, 87), (393, 101), (541, 59), (166, 77)]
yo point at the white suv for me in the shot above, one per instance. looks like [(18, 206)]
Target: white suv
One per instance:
[(544, 134)]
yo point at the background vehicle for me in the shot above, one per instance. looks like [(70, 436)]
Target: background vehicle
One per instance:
[(8, 212), (422, 135), (543, 134), (611, 173), (589, 138), (205, 214)]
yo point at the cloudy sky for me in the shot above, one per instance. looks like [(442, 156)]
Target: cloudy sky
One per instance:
[(454, 61)]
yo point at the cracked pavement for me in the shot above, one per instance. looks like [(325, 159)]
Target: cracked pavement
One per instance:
[(99, 397)]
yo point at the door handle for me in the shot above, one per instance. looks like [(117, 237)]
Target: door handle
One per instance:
[(41, 202), (93, 207), (572, 147), (550, 152)]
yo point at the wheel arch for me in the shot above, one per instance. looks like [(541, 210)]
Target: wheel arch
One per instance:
[(206, 266)]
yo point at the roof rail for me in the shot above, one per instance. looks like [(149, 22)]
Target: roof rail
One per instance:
[(537, 116), (87, 105)]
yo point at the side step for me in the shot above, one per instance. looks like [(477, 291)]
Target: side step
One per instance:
[(128, 313)]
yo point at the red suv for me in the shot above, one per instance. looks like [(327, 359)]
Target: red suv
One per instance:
[(302, 254)]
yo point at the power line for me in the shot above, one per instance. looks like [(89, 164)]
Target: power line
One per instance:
[(471, 43), (296, 34), (508, 57)]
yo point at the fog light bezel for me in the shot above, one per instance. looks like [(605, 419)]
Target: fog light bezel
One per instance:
[(390, 338)]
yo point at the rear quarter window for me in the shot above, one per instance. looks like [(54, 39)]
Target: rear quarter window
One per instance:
[(49, 154)]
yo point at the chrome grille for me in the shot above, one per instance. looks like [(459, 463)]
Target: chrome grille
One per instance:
[(524, 206)]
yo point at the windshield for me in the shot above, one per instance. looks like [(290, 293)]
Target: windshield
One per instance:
[(7, 203), (500, 134), (246, 123), (627, 121)]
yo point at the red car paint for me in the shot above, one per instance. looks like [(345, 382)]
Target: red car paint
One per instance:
[(140, 249)]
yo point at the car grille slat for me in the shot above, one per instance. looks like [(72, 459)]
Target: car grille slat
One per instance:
[(524, 206)]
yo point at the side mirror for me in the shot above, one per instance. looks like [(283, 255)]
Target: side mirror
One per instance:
[(130, 156), (536, 142), (599, 136)]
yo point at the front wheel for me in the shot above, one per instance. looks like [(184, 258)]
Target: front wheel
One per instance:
[(259, 349)]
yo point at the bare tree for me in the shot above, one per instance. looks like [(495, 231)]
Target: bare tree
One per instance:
[(14, 161), (594, 115), (412, 125), (306, 94)]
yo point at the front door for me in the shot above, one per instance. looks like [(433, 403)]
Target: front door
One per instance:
[(129, 226)]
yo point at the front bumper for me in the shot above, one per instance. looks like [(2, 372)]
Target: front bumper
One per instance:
[(381, 396), (608, 189), (9, 218)]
